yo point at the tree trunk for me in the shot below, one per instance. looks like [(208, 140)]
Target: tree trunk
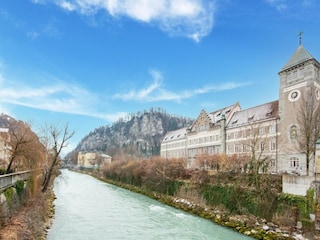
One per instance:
[(48, 175)]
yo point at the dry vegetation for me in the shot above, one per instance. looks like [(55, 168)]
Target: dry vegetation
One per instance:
[(30, 221)]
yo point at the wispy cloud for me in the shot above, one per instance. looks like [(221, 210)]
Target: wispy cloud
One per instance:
[(59, 97), (280, 5), (63, 97), (186, 18), (156, 92), (33, 35)]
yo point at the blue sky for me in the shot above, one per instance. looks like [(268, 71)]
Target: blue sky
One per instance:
[(89, 62)]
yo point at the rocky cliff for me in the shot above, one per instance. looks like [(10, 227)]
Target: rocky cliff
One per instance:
[(138, 134)]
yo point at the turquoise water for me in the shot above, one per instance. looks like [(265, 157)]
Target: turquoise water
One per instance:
[(87, 208)]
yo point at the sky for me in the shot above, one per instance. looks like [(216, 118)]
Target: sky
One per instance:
[(87, 63)]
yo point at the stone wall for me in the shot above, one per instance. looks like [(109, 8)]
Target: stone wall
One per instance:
[(11, 199), (297, 185)]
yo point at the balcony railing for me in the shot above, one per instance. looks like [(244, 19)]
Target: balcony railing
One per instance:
[(9, 180)]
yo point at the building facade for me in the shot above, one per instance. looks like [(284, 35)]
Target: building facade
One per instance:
[(93, 159), (4, 147), (272, 130)]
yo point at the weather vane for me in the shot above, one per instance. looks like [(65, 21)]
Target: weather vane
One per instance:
[(300, 37)]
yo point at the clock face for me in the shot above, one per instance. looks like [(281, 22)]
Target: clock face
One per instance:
[(294, 95)]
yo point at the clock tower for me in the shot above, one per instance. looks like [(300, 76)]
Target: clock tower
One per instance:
[(299, 84)]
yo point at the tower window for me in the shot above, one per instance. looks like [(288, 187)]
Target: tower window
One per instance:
[(301, 72), (295, 74), (293, 132)]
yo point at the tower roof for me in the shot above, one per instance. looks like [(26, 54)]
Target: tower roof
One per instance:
[(300, 55)]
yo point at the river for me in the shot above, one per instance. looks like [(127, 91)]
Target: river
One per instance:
[(87, 208)]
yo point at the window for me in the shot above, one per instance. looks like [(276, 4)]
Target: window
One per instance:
[(272, 129), (269, 113), (249, 133), (244, 148), (229, 148), (236, 148), (295, 74), (294, 162), (230, 136), (273, 162), (250, 117), (293, 132), (261, 131), (272, 145), (217, 149), (261, 146), (289, 76), (301, 72), (210, 150), (202, 127)]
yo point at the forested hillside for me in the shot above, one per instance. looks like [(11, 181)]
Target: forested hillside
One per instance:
[(137, 135)]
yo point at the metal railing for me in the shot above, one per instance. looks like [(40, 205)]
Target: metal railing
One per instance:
[(9, 180)]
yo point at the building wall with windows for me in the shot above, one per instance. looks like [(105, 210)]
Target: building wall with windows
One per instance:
[(4, 151), (93, 159), (174, 144), (272, 130)]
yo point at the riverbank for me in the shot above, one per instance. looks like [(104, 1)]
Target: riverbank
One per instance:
[(246, 224), (32, 220)]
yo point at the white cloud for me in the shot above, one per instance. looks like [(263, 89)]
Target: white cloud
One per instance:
[(280, 5), (67, 6), (155, 91), (185, 18)]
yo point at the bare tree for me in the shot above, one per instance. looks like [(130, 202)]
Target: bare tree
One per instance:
[(22, 144), (55, 139), (309, 120), (259, 156)]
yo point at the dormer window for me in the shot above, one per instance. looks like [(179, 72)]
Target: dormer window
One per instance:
[(269, 113), (250, 118), (235, 121), (218, 114)]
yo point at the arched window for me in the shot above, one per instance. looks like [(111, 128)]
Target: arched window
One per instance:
[(293, 132)]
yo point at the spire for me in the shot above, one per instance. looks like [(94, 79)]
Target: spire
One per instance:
[(300, 55), (300, 37)]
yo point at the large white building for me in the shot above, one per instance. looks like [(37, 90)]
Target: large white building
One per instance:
[(272, 129)]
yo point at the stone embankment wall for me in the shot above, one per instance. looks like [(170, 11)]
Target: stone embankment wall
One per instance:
[(14, 197)]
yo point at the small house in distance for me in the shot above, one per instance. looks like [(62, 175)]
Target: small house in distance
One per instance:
[(93, 159)]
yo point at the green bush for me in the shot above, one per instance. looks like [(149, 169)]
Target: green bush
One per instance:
[(19, 186), (8, 193), (239, 200)]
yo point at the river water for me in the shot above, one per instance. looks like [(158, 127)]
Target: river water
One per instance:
[(87, 208)]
